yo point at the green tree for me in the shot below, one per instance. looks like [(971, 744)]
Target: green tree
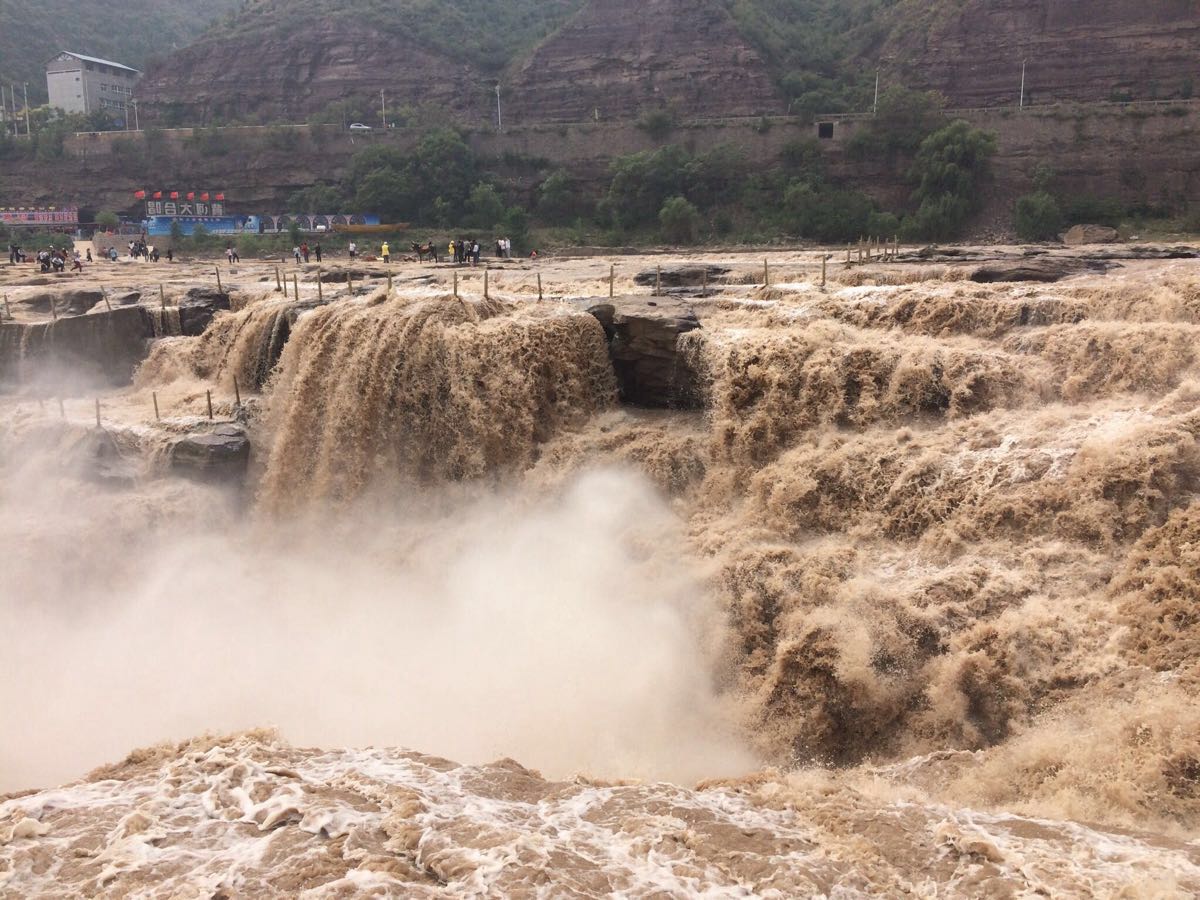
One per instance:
[(485, 207), (558, 198), (949, 169), (680, 220), (516, 228), (1038, 217), (176, 233), (316, 199), (107, 219)]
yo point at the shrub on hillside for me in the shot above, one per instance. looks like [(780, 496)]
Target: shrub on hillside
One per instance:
[(1037, 217), (680, 221)]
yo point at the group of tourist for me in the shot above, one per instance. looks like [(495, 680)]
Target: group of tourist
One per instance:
[(139, 249), (303, 252)]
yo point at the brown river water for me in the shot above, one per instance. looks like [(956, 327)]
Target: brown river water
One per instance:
[(907, 607)]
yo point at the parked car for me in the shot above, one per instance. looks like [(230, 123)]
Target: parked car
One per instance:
[(359, 126)]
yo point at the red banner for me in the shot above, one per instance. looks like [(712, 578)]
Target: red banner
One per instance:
[(158, 195), (204, 196), (174, 195), (140, 195), (191, 195), (220, 196)]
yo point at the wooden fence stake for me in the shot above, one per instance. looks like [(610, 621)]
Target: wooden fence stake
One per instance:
[(657, 280), (209, 393), (704, 284), (98, 412), (220, 290), (278, 284), (154, 397), (612, 280), (456, 284), (104, 294), (320, 289), (539, 285), (162, 300), (237, 392), (350, 283), (824, 263), (389, 284), (7, 310), (486, 294), (295, 287)]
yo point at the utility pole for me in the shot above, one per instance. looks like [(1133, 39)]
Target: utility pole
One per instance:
[(1023, 62), (383, 108), (136, 125), (28, 129), (499, 119), (875, 107)]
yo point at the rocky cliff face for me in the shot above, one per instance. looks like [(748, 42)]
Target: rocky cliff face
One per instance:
[(291, 76), (1093, 50), (620, 57)]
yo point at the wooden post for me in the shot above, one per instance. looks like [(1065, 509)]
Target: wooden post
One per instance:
[(162, 300), (278, 283), (456, 284), (104, 294), (657, 280), (704, 283), (220, 290), (350, 283), (237, 391), (824, 263), (295, 287), (539, 285), (320, 288), (848, 260), (7, 310), (98, 412), (486, 294), (154, 397), (209, 393), (389, 284), (612, 280)]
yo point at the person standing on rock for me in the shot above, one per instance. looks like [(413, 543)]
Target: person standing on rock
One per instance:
[(386, 252), (352, 250), (304, 251), (296, 254), (475, 253), (317, 250)]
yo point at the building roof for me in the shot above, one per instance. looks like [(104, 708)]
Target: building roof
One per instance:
[(93, 59)]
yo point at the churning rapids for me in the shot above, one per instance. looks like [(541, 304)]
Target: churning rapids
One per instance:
[(898, 596)]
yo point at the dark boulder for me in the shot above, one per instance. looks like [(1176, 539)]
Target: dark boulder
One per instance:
[(1044, 269), (104, 346), (64, 303), (644, 345), (197, 308), (220, 455), (681, 276)]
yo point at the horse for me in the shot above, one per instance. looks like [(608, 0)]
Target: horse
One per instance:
[(422, 250)]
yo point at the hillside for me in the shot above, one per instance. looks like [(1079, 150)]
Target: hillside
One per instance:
[(617, 58), (1099, 50), (132, 32), (280, 60)]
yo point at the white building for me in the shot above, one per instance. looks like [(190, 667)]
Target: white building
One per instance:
[(85, 84)]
